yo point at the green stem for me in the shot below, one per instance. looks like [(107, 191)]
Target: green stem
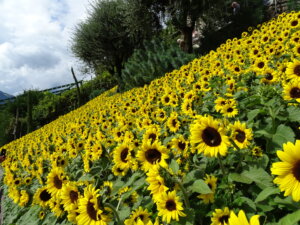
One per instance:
[(234, 144), (222, 166), (185, 195), (115, 212)]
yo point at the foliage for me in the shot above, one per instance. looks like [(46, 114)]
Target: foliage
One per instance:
[(151, 62), (111, 32), (195, 146)]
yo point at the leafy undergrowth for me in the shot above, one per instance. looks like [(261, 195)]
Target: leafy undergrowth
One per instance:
[(198, 146)]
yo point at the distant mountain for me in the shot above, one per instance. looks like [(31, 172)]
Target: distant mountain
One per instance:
[(5, 96)]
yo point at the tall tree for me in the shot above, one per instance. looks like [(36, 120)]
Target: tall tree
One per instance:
[(111, 32)]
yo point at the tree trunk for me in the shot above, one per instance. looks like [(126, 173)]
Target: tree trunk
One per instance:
[(187, 39), (77, 87)]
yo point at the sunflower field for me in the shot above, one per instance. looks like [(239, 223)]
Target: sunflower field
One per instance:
[(214, 142)]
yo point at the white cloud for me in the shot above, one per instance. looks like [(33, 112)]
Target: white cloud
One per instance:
[(34, 42)]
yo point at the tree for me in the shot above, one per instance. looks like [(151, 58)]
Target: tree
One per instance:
[(111, 32)]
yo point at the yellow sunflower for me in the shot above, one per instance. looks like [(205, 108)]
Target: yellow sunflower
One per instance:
[(137, 216), (211, 181), (88, 208), (156, 183), (24, 198), (209, 135), (122, 155), (220, 216), (240, 134), (293, 69), (69, 195), (292, 90), (42, 196), (55, 180), (288, 171), (241, 219), (170, 207), (151, 154), (173, 123)]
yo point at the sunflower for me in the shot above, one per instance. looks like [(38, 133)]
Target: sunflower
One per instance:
[(210, 136), (180, 145), (122, 155), (156, 183), (293, 69), (42, 214), (170, 207), (241, 219), (257, 151), (240, 134), (24, 198), (220, 102), (173, 122), (211, 181), (288, 171), (220, 216), (292, 90), (137, 216), (88, 208), (42, 196), (152, 133), (229, 110), (151, 154), (55, 180), (69, 195)]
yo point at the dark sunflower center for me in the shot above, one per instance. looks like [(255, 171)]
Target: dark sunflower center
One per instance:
[(17, 182), (260, 65), (139, 217), (174, 122), (45, 196), (153, 155), (297, 70), (224, 219), (294, 23), (230, 110), (255, 52), (209, 185), (167, 99), (119, 134), (57, 182), (211, 137), (296, 170), (124, 154), (91, 211), (240, 136), (170, 205), (269, 76), (152, 136), (181, 145), (73, 196), (295, 92)]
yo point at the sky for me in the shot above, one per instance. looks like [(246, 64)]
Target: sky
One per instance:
[(35, 40)]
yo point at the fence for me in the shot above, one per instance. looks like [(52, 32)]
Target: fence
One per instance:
[(55, 90)]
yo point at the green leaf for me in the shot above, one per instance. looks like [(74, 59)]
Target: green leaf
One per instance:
[(201, 187), (294, 114), (259, 176), (244, 200), (174, 166), (290, 219), (124, 213), (239, 178), (283, 135), (264, 194), (252, 114)]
